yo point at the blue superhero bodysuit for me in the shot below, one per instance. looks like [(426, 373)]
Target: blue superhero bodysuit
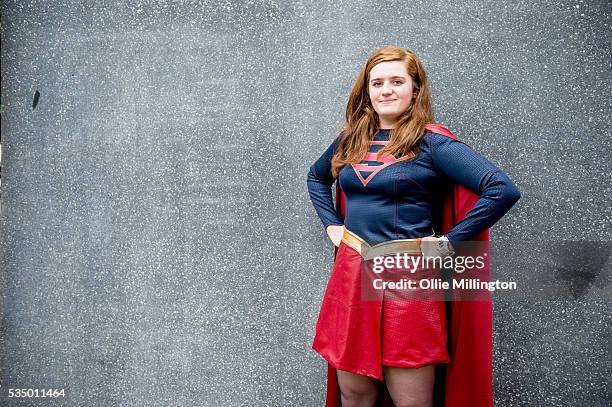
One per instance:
[(389, 199)]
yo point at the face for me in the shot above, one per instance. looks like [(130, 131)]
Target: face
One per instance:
[(391, 91)]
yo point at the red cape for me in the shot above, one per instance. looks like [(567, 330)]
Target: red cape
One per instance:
[(468, 379)]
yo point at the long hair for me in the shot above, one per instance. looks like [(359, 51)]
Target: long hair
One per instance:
[(362, 120)]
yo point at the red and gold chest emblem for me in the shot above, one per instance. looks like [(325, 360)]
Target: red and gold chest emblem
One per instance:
[(365, 172)]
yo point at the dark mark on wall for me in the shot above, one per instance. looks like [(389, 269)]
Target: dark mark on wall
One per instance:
[(35, 101)]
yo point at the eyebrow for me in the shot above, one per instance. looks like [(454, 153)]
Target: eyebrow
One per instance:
[(393, 77)]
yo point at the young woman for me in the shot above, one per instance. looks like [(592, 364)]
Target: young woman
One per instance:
[(394, 168)]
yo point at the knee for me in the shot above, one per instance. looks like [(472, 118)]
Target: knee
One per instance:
[(412, 401), (358, 397)]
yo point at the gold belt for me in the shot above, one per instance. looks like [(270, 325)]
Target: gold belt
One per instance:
[(411, 246)]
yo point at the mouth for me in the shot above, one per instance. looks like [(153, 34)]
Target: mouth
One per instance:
[(386, 102)]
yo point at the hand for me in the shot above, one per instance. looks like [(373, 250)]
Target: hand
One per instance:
[(335, 233), (429, 246)]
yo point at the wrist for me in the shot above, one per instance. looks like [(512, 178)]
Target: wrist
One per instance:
[(444, 246)]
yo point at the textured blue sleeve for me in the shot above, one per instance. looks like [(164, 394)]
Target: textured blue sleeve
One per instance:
[(497, 193), (319, 182)]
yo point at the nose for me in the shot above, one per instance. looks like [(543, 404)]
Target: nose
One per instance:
[(386, 88)]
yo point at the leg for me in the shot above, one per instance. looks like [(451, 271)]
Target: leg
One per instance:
[(357, 390), (410, 387)]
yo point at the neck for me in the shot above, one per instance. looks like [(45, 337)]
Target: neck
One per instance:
[(386, 125)]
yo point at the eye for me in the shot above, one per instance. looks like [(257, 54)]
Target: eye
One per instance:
[(398, 82), (375, 83)]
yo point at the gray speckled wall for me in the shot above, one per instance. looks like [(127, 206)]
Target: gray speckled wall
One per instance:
[(158, 245)]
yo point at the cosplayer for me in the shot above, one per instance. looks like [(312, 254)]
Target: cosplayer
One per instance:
[(407, 183)]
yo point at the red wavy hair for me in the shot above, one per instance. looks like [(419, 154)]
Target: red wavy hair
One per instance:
[(362, 120)]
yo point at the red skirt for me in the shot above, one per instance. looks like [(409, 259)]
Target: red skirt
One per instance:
[(364, 325)]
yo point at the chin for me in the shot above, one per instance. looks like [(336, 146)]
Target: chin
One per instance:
[(392, 116), (387, 112), (389, 109)]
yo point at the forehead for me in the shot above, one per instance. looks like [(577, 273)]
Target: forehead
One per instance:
[(389, 69)]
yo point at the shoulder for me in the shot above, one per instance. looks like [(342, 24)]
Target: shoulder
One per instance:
[(430, 142), (331, 149), (339, 139), (432, 138), (444, 149)]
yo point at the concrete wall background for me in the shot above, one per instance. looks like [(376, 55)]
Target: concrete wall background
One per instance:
[(158, 246)]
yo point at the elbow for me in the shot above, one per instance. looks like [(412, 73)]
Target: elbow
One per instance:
[(514, 193), (313, 178), (313, 183), (504, 188), (511, 194), (310, 177)]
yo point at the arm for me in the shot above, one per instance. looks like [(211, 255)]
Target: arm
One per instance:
[(319, 183), (497, 193)]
